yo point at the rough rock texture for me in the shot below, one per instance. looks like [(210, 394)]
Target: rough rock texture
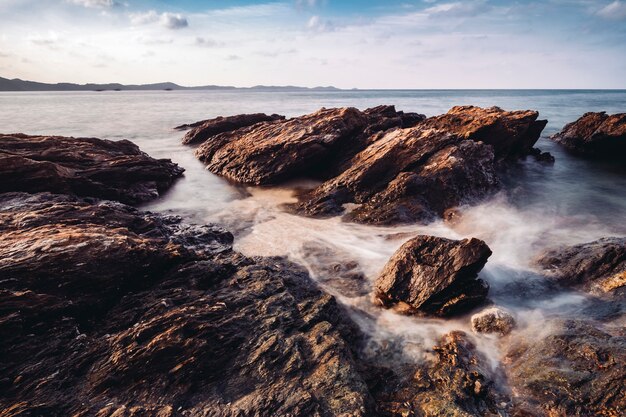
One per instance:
[(598, 267), (578, 370), (203, 130), (114, 170), (458, 383), (313, 145), (493, 320), (596, 135), (418, 173), (435, 275), (108, 311)]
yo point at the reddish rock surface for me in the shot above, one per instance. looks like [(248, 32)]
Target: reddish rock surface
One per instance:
[(114, 170), (435, 276), (597, 135), (203, 130)]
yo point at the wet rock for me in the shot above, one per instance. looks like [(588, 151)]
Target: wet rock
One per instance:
[(459, 382), (577, 370), (598, 267), (308, 146), (493, 320), (203, 130), (416, 174), (435, 276), (595, 134), (109, 311), (114, 170)]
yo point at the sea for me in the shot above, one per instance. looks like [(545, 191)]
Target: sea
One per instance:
[(541, 206)]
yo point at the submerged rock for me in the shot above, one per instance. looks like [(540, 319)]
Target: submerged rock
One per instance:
[(90, 167), (416, 174), (598, 267), (459, 382), (596, 134), (493, 320), (306, 146), (109, 311), (435, 275), (203, 130), (577, 370)]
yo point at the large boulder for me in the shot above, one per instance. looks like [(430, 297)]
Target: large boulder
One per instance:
[(201, 131), (598, 267), (596, 135), (434, 275), (308, 146), (416, 174), (109, 311), (576, 370), (114, 170)]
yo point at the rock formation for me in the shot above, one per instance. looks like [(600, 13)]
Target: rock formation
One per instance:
[(598, 267), (108, 311), (493, 320), (201, 131), (435, 276), (578, 370), (115, 170), (597, 135)]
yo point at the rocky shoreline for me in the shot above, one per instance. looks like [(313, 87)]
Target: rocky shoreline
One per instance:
[(107, 310)]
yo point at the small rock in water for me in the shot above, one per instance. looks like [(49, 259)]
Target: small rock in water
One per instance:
[(493, 320), (595, 134)]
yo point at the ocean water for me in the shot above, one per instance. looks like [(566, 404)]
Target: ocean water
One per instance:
[(541, 206)]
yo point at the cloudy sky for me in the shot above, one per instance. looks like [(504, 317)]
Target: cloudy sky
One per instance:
[(345, 43)]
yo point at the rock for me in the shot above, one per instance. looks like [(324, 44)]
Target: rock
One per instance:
[(435, 276), (110, 311), (598, 267), (416, 174), (578, 370), (459, 382), (114, 170), (596, 135), (201, 131), (493, 320), (313, 145)]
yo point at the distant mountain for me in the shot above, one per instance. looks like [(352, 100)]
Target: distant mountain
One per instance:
[(20, 85)]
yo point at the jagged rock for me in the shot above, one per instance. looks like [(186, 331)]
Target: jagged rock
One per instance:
[(308, 146), (458, 383), (109, 311), (596, 134), (201, 131), (598, 267), (578, 370), (417, 174), (114, 170), (435, 275), (493, 320)]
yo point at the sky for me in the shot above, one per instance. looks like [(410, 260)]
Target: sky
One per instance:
[(347, 44)]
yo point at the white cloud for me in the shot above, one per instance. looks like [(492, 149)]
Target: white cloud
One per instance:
[(207, 42), (95, 4), (317, 24), (169, 20), (460, 9), (615, 10), (174, 21)]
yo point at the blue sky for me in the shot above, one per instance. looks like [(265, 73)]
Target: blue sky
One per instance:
[(364, 44)]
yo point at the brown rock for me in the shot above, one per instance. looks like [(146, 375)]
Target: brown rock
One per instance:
[(203, 130), (596, 135), (493, 320), (83, 166), (435, 275)]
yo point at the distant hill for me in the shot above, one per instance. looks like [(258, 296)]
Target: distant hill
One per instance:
[(21, 85)]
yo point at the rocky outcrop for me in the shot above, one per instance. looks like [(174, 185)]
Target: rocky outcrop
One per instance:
[(493, 320), (203, 130), (596, 135), (114, 170), (598, 267), (109, 311), (435, 276), (313, 145), (578, 370), (417, 174), (459, 382)]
